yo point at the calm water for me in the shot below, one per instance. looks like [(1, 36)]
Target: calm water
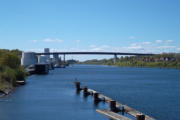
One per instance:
[(155, 92)]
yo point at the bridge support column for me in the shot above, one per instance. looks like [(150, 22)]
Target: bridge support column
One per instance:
[(115, 58), (64, 58)]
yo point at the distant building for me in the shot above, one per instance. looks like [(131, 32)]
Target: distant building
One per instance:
[(46, 50), (42, 59), (162, 59), (56, 59), (28, 58), (156, 59), (173, 59)]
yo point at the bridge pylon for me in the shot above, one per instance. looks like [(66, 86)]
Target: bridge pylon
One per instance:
[(115, 58), (64, 58)]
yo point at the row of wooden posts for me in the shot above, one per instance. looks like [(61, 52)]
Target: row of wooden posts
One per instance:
[(112, 103)]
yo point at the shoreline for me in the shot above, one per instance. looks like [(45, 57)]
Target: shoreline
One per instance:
[(131, 66), (6, 92)]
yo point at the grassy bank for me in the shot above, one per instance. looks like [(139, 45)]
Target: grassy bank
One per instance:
[(10, 69), (171, 60)]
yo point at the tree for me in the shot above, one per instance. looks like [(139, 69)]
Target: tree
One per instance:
[(11, 60)]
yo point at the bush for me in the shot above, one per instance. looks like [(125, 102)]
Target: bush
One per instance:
[(8, 75), (4, 85), (10, 60), (10, 69), (20, 74)]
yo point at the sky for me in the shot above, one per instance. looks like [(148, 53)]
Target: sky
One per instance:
[(143, 26)]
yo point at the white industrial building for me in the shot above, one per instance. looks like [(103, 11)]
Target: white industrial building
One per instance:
[(46, 50), (28, 58), (42, 60)]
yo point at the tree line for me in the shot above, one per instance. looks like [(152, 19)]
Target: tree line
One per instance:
[(165, 60), (10, 68)]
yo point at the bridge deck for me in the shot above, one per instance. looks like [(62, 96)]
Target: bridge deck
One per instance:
[(95, 53)]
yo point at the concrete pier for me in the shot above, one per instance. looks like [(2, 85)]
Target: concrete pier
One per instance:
[(112, 115), (127, 109), (114, 106)]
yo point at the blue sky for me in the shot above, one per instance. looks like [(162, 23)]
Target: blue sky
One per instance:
[(150, 26)]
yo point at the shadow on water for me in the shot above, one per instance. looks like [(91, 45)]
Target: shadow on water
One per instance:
[(78, 92)]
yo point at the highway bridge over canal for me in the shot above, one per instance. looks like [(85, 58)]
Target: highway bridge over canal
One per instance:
[(95, 53)]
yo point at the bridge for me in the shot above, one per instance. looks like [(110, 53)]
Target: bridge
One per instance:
[(95, 53)]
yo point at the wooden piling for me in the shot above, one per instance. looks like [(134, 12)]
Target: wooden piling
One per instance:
[(96, 96), (85, 89), (78, 86), (122, 108), (140, 117), (127, 109), (112, 105)]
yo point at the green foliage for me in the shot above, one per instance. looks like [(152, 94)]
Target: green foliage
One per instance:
[(16, 52), (10, 69), (4, 85), (10, 60), (99, 62), (170, 60), (20, 73), (8, 75)]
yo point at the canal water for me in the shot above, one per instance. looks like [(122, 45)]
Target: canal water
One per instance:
[(153, 91)]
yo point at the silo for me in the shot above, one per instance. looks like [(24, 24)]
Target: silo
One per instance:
[(28, 58), (46, 50), (42, 60)]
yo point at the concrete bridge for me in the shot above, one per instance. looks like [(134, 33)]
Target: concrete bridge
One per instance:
[(95, 53), (29, 58)]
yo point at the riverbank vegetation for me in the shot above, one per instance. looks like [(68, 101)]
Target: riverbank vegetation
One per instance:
[(10, 69), (165, 60)]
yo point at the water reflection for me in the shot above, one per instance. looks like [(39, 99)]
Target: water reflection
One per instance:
[(85, 95), (96, 103), (78, 92)]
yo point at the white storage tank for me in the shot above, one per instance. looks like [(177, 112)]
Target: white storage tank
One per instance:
[(28, 58), (46, 50), (42, 60)]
